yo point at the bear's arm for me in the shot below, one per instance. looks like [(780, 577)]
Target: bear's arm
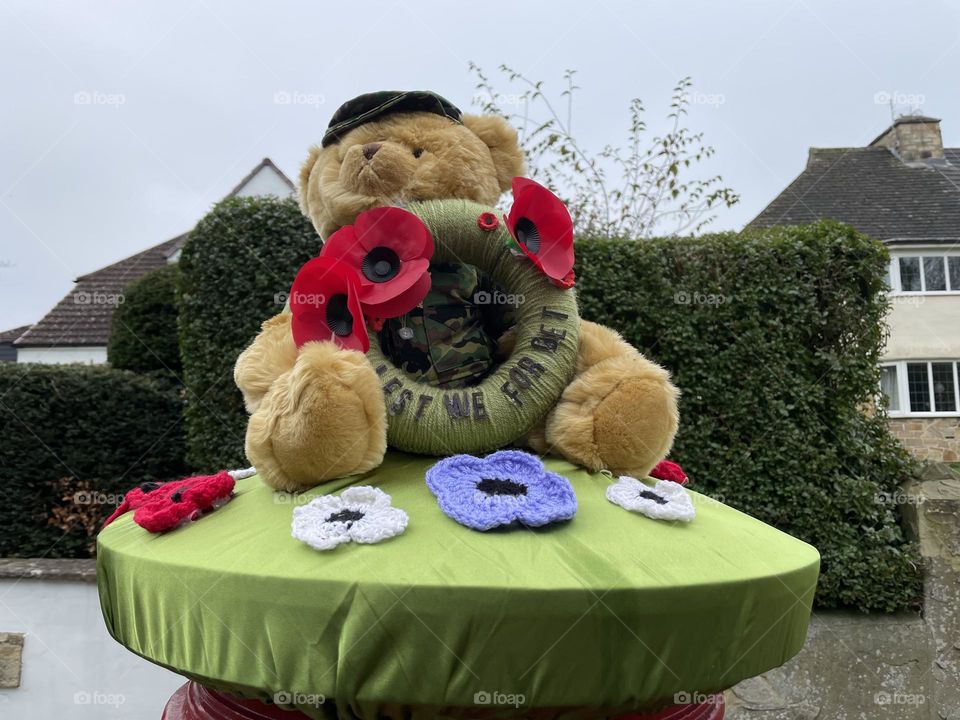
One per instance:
[(271, 354)]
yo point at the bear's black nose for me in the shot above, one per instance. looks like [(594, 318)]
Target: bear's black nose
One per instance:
[(370, 149)]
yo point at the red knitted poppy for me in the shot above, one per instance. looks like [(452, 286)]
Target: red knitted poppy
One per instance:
[(163, 506)]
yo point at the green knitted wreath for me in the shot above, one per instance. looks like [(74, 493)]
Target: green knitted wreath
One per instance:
[(519, 393)]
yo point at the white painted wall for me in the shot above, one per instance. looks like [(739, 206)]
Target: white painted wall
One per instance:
[(72, 668), (923, 327), (265, 182), (89, 355)]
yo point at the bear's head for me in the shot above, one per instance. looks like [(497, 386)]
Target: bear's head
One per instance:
[(392, 148)]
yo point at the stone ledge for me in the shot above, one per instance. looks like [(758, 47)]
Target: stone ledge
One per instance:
[(48, 569), (931, 513), (852, 666), (902, 667)]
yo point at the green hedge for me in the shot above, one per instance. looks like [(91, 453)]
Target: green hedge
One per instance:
[(143, 337), (774, 338), (71, 429), (235, 271)]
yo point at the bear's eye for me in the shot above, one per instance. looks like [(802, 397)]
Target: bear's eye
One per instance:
[(417, 152)]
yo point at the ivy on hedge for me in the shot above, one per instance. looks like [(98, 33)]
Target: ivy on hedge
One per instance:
[(773, 336), (235, 270), (143, 337), (95, 429)]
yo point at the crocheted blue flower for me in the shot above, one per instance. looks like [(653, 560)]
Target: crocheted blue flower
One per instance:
[(505, 487)]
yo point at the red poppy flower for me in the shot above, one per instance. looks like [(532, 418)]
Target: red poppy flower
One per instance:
[(543, 230), (407, 300), (390, 248), (667, 470), (325, 304), (488, 221), (163, 506)]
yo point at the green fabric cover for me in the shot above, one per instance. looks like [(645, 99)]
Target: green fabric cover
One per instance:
[(607, 613)]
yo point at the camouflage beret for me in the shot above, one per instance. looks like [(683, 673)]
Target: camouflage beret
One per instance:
[(371, 106)]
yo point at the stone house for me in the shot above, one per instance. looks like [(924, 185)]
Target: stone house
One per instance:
[(904, 189)]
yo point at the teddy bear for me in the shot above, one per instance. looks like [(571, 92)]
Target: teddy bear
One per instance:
[(318, 412)]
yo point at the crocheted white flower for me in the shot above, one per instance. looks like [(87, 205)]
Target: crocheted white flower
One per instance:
[(666, 500), (361, 514)]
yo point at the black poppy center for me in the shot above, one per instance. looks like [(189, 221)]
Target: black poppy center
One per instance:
[(380, 264), (650, 495), (347, 516), (528, 235), (339, 319), (496, 486)]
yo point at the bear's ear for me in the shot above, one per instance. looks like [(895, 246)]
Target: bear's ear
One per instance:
[(305, 171), (498, 135)]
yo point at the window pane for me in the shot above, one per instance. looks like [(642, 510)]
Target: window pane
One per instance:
[(933, 273), (944, 399), (910, 274), (888, 385), (918, 387), (954, 263)]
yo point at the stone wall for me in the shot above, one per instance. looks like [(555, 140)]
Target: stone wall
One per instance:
[(879, 666), (11, 659), (935, 439)]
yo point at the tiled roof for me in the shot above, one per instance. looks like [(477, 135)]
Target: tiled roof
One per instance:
[(8, 336), (871, 189), (84, 315)]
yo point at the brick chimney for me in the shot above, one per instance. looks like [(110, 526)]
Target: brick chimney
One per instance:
[(913, 139)]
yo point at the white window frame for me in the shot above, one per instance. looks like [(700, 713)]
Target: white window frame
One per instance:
[(903, 391), (921, 253)]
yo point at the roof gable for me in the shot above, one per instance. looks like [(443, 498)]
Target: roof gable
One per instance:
[(265, 179)]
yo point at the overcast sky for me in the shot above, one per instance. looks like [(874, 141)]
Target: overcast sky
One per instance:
[(183, 97)]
